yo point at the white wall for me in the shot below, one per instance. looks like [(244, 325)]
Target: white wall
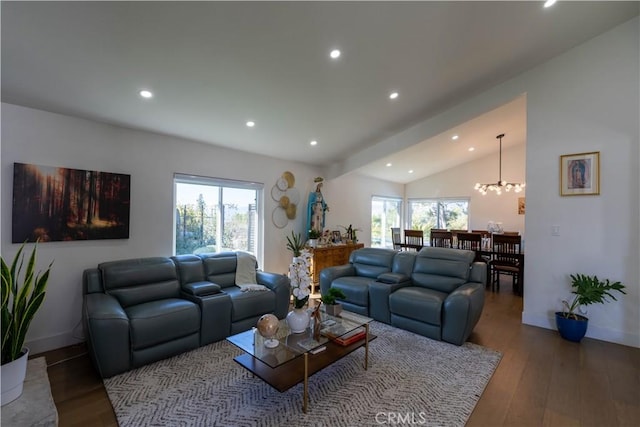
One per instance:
[(585, 100), (459, 182), (349, 198), (39, 137)]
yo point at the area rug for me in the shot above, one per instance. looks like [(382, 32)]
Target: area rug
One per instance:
[(35, 406), (411, 380)]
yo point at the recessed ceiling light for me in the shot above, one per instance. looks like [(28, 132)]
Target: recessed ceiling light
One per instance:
[(549, 3), (410, 170), (393, 95), (335, 54), (314, 142), (471, 148), (388, 165), (251, 124), (146, 94), (454, 137)]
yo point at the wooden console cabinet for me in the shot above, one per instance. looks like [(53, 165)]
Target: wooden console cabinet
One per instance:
[(328, 256)]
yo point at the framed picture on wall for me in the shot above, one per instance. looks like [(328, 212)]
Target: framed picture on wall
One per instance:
[(521, 205), (580, 174), (54, 204)]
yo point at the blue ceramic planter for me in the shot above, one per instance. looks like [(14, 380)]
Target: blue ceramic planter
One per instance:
[(570, 328)]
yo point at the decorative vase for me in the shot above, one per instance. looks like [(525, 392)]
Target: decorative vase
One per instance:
[(13, 374), (333, 309), (571, 329), (312, 243), (298, 320)]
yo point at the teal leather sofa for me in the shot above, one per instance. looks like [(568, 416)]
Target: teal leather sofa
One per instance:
[(138, 311), (436, 292)]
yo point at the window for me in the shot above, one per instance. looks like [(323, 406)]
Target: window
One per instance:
[(216, 215), (385, 213), (425, 214)]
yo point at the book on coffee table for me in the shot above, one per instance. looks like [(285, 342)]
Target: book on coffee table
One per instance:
[(345, 338)]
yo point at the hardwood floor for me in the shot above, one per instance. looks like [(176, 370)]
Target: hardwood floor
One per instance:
[(541, 380)]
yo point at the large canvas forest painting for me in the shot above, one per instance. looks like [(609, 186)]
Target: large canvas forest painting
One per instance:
[(56, 204)]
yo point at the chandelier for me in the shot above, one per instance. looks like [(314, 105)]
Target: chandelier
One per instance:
[(498, 186)]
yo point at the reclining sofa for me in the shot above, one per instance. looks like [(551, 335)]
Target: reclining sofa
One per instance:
[(436, 292), (138, 311)]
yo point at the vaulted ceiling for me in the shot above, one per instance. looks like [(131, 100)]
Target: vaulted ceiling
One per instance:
[(214, 66)]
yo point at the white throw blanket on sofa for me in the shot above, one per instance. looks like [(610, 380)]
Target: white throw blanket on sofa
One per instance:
[(246, 273)]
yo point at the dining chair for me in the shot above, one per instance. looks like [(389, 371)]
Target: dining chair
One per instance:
[(454, 236), (469, 241), (486, 238), (396, 238), (507, 260), (442, 239), (413, 239)]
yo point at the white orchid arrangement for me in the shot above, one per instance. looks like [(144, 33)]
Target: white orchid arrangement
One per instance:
[(300, 278)]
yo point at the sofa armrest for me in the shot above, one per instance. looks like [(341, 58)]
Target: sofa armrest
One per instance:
[(201, 288), (280, 284), (461, 311), (329, 274), (107, 330), (379, 298), (478, 273)]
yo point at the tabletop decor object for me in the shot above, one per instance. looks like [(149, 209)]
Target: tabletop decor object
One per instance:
[(268, 327), (587, 290), (298, 319), (333, 307), (580, 174), (314, 235)]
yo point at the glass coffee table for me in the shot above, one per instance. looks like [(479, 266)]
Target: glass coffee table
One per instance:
[(298, 356)]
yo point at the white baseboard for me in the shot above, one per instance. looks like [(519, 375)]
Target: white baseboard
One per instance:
[(593, 331), (41, 345)]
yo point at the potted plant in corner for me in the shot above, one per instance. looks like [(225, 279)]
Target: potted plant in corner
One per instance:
[(22, 296), (587, 290), (329, 300)]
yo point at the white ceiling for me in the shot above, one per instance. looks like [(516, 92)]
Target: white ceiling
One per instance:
[(214, 65)]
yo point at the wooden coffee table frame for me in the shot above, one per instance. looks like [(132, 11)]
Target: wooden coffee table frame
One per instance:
[(299, 369)]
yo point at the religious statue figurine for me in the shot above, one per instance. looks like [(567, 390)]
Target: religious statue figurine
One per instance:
[(317, 208)]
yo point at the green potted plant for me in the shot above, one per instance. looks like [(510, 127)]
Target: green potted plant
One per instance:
[(314, 235), (295, 244), (587, 290), (329, 300), (22, 296), (350, 233)]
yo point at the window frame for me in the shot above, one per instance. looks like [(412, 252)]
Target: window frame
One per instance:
[(438, 201), (400, 202), (258, 187)]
